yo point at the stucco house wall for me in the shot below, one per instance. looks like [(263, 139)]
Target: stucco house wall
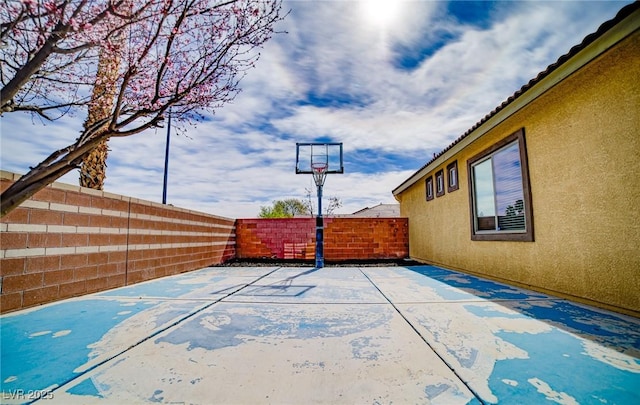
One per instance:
[(583, 147)]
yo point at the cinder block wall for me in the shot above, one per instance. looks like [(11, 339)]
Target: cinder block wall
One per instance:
[(275, 238), (366, 238), (67, 241), (344, 238)]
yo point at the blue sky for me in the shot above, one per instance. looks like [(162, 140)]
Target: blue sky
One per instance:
[(395, 81)]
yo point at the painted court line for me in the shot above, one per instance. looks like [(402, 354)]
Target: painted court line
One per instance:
[(332, 335), (444, 361), (156, 333)]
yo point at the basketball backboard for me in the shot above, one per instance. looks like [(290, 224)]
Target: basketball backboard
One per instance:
[(310, 155)]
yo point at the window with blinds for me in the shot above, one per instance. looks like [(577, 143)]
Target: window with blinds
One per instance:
[(500, 196)]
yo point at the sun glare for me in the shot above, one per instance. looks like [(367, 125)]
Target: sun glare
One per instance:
[(380, 12)]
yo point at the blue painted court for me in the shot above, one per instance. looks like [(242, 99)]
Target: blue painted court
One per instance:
[(343, 335)]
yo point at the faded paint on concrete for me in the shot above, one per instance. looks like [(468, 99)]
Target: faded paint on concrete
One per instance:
[(582, 145), (334, 335)]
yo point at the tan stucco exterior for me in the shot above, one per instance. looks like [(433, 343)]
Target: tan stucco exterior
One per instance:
[(583, 147)]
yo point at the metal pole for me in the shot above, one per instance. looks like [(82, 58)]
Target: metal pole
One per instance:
[(319, 232), (166, 162)]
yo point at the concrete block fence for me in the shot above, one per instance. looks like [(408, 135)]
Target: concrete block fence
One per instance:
[(67, 241), (344, 238), (276, 238)]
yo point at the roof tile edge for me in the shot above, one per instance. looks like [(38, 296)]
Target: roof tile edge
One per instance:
[(624, 12)]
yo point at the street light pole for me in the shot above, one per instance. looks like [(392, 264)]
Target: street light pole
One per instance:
[(166, 161)]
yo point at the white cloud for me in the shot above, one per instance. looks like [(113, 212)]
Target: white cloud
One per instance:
[(333, 75)]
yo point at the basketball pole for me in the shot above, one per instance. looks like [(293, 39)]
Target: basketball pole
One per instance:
[(319, 231), (321, 161)]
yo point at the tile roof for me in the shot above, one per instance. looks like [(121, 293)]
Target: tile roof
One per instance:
[(604, 27), (379, 211)]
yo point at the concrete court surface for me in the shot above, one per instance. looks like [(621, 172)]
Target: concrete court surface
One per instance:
[(295, 335)]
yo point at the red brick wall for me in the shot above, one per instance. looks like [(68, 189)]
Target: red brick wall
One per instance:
[(68, 241), (344, 238), (284, 238), (366, 238)]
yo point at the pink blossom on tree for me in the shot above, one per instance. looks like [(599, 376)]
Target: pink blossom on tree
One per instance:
[(49, 49), (185, 54)]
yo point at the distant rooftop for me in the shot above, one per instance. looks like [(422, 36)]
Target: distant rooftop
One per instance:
[(378, 211)]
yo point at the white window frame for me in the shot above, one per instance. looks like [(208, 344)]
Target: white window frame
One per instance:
[(429, 188), (440, 183), (452, 177)]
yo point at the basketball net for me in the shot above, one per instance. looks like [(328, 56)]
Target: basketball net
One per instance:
[(319, 173)]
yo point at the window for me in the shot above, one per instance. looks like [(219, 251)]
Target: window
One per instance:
[(452, 176), (429, 186), (499, 192), (440, 183)]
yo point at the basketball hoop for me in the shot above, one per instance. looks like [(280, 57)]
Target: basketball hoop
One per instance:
[(319, 173), (319, 159)]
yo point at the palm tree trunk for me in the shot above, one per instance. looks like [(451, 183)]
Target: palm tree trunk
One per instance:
[(94, 165)]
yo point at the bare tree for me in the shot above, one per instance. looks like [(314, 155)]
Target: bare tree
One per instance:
[(308, 202), (310, 206), (334, 204), (185, 54)]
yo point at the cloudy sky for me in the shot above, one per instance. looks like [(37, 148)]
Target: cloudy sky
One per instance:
[(395, 81)]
